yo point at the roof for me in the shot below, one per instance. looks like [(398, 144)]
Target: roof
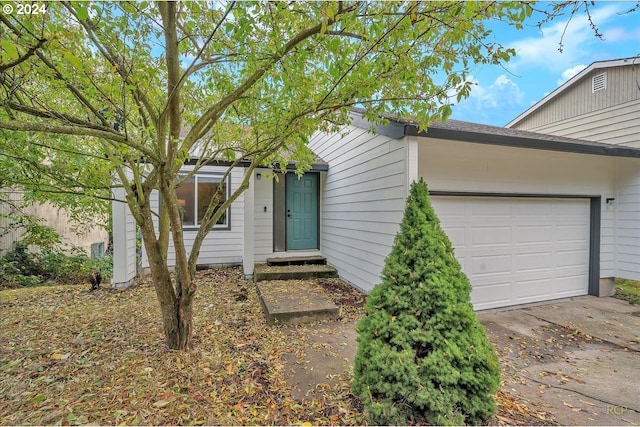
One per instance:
[(566, 85), (318, 165), (456, 130)]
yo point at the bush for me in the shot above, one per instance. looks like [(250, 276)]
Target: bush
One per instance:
[(423, 357), (58, 265)]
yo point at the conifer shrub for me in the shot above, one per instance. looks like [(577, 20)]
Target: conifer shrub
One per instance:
[(423, 357)]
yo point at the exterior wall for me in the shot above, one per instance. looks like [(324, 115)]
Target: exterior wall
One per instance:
[(610, 116), (468, 167), (362, 200), (617, 124), (578, 112), (627, 205), (71, 232), (124, 242), (220, 246), (263, 214)]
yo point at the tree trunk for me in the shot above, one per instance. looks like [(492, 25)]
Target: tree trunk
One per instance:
[(176, 307), (178, 324)]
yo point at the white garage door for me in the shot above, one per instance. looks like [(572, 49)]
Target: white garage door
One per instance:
[(518, 250)]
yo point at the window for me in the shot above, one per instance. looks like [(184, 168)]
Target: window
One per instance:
[(195, 194), (599, 82)]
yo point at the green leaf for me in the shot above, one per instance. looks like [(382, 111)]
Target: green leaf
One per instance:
[(82, 11), (10, 48), (74, 60), (38, 399)]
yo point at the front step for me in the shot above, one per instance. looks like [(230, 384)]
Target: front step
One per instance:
[(264, 272), (294, 302), (300, 260)]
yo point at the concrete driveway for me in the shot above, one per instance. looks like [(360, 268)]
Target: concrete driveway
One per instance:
[(576, 359)]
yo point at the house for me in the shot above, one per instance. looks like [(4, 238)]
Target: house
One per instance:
[(93, 239), (532, 217), (601, 103)]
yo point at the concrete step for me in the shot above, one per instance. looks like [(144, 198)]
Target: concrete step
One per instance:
[(264, 272), (295, 302), (299, 260)]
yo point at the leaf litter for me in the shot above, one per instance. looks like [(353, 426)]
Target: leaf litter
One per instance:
[(73, 357)]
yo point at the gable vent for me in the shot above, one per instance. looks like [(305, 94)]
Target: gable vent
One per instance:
[(599, 82)]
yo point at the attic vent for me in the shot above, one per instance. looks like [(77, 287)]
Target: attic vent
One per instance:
[(599, 82)]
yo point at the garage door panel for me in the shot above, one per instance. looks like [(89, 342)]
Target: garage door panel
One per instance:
[(572, 233), (517, 250), (456, 235), (538, 210), (533, 234), (571, 285), (572, 258), (532, 289), (489, 209), (575, 208), (482, 236), (491, 264), (533, 261), (496, 295)]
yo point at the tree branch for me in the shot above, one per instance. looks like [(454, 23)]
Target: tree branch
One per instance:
[(88, 25), (202, 125)]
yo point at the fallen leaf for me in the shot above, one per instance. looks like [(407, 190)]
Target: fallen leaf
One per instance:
[(161, 403)]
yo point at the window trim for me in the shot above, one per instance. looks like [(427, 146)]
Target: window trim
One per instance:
[(220, 176)]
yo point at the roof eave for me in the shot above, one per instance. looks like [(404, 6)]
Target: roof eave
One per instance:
[(523, 142)]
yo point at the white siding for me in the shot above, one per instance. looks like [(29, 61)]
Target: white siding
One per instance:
[(619, 124), (263, 215), (627, 205), (362, 201), (579, 100), (124, 242), (467, 167), (220, 246)]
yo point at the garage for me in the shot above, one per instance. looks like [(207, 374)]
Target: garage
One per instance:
[(518, 250)]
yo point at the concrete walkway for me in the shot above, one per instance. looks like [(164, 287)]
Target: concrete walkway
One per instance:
[(576, 359)]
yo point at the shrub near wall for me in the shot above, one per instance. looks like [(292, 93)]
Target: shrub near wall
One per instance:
[(49, 266), (423, 357)]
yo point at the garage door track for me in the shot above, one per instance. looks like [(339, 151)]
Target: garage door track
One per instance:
[(577, 359)]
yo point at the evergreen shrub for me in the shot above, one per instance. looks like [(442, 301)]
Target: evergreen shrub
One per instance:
[(423, 357)]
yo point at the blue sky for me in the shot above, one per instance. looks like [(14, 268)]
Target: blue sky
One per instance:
[(501, 94)]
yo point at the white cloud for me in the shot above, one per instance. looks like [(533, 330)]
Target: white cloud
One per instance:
[(494, 104), (620, 34), (575, 35), (502, 92), (570, 72)]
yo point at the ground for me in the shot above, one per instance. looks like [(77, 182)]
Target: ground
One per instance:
[(628, 290), (70, 356)]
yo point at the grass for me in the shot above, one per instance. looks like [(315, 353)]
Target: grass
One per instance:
[(69, 357), (628, 290)]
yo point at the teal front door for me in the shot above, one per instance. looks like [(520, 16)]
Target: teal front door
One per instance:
[(302, 211)]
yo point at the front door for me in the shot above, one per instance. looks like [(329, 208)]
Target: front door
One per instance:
[(302, 211)]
